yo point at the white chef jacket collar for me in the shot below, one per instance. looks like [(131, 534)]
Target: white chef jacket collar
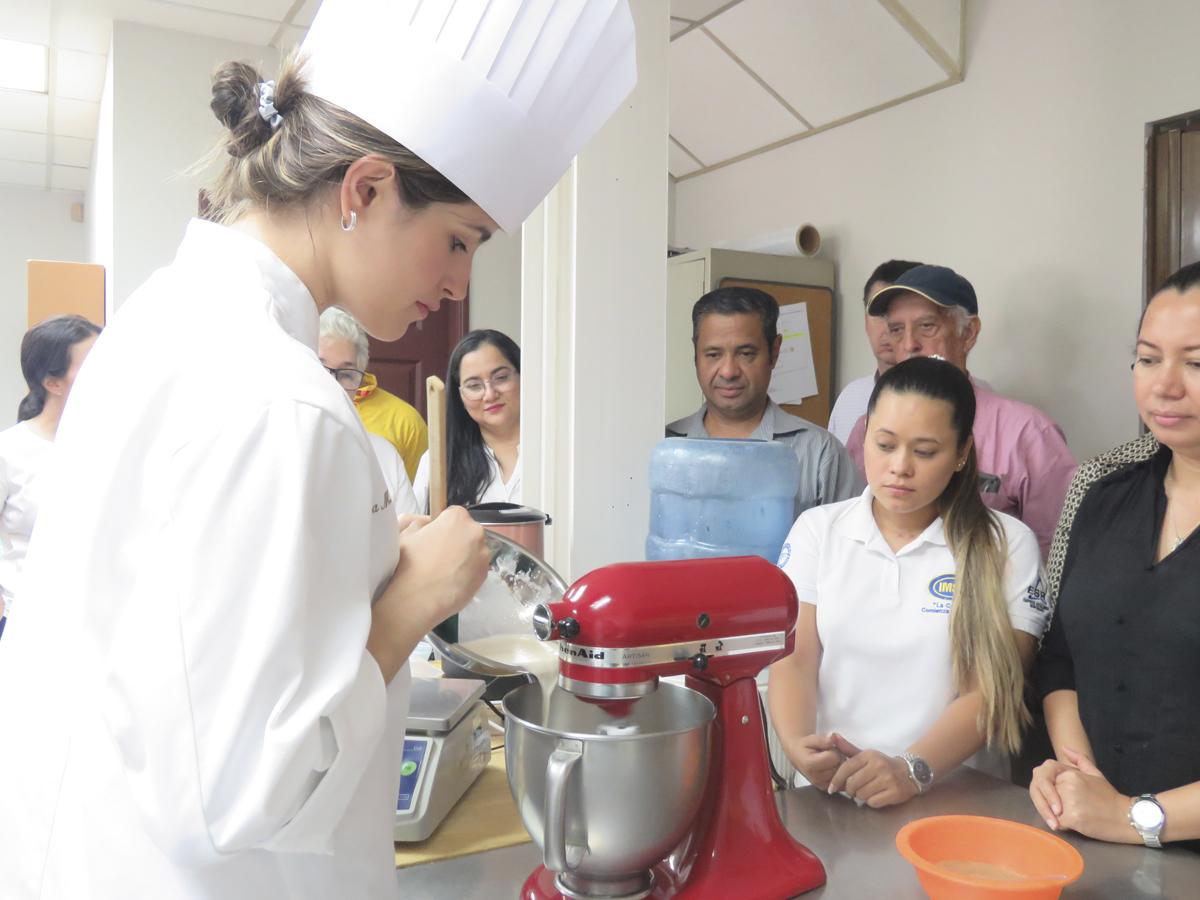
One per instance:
[(859, 525), (291, 303)]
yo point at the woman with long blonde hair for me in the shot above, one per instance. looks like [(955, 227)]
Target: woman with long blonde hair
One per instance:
[(920, 608)]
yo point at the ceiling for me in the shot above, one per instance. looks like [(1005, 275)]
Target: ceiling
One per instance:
[(745, 75), (46, 139), (748, 76)]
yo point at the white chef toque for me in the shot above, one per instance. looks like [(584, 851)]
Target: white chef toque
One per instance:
[(497, 95)]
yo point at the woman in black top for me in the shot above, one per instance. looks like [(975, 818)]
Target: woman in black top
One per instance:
[(1120, 669)]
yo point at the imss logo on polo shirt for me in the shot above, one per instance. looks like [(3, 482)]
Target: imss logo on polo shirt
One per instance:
[(941, 589)]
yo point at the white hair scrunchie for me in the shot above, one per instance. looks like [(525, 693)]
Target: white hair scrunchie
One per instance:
[(266, 103)]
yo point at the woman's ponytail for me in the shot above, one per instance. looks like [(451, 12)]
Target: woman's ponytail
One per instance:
[(46, 353), (31, 404), (983, 646)]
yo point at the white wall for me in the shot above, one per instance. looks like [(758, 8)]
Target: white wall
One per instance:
[(161, 127), (595, 339), (99, 211), (496, 285), (34, 224), (1027, 178)]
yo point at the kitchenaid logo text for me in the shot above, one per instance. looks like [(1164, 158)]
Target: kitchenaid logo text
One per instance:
[(583, 653)]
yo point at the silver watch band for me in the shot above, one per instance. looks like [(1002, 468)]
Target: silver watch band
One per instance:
[(1150, 836), (919, 772)]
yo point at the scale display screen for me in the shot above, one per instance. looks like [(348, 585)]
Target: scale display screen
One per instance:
[(411, 767)]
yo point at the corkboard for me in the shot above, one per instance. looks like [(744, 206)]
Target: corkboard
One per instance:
[(59, 288), (820, 323)]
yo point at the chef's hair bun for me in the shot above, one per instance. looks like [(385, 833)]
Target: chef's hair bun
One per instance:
[(309, 148), (235, 103)]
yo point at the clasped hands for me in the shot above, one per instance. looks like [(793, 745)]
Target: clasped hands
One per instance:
[(1075, 795), (832, 763)]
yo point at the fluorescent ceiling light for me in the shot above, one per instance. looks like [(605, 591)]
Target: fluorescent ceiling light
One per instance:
[(23, 66)]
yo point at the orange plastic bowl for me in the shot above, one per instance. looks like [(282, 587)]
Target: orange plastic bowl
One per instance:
[(980, 858)]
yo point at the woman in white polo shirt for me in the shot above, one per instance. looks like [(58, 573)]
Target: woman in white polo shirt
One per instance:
[(920, 609)]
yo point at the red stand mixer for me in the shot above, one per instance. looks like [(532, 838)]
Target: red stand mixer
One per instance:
[(621, 628)]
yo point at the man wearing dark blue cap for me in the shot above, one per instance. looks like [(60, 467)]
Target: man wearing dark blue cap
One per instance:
[(1025, 465)]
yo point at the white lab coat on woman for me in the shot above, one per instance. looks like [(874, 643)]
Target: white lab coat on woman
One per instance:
[(188, 705), (395, 476)]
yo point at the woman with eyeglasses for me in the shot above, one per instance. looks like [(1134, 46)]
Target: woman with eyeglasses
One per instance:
[(343, 348), (483, 423)]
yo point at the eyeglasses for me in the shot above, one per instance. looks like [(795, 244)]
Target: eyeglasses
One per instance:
[(475, 388), (349, 379)]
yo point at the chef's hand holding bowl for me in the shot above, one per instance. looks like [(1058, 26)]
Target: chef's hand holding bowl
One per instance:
[(442, 564)]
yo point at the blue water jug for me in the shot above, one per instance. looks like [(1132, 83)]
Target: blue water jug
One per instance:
[(720, 497)]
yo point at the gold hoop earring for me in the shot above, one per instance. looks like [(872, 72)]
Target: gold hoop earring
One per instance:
[(352, 224)]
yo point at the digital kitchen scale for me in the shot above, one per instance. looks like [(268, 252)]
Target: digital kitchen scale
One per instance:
[(446, 745)]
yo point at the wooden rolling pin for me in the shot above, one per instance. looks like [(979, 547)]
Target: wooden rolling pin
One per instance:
[(435, 410)]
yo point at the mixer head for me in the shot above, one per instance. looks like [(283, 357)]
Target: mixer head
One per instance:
[(623, 626)]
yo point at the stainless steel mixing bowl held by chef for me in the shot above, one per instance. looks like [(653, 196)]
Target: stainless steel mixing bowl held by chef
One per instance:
[(214, 690)]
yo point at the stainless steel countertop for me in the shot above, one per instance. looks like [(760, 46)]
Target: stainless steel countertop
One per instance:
[(858, 849)]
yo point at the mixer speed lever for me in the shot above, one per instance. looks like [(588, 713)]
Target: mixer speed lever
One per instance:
[(547, 629)]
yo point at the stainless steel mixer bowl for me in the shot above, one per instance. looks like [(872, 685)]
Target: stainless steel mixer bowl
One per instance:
[(604, 806)]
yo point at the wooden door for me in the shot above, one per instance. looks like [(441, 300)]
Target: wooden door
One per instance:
[(402, 366), (1172, 198)]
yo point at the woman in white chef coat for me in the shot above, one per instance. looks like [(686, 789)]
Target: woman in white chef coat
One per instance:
[(483, 423), (51, 354), (919, 608), (212, 657)]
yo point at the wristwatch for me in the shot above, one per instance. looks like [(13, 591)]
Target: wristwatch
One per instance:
[(918, 771), (1148, 819)]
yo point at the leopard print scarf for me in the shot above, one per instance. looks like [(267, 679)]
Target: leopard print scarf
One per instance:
[(1135, 451)]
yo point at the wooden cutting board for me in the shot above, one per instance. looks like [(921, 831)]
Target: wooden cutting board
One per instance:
[(484, 819)]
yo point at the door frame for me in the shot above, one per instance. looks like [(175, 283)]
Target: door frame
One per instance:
[(1189, 121)]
